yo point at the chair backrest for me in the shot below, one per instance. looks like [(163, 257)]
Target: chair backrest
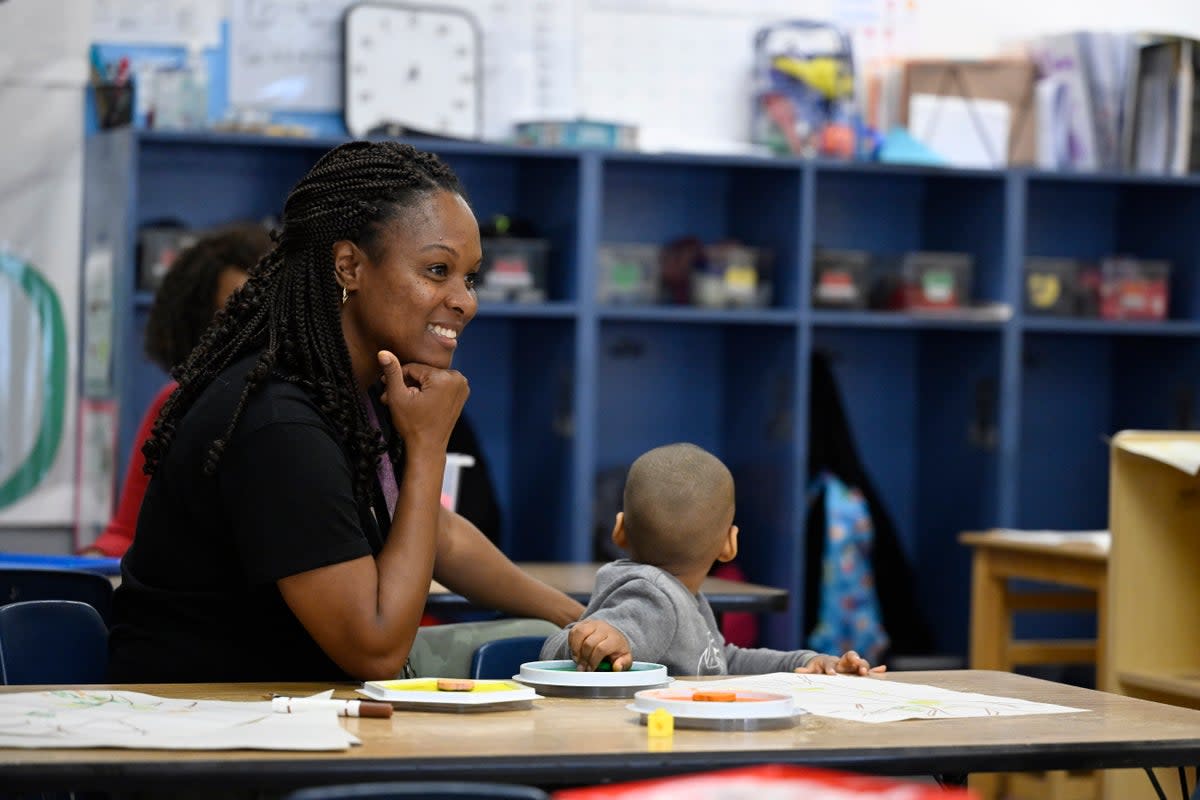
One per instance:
[(18, 584), (440, 790), (502, 658), (52, 641)]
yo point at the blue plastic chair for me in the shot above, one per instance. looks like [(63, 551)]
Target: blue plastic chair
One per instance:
[(18, 584), (502, 658), (439, 790), (52, 641)]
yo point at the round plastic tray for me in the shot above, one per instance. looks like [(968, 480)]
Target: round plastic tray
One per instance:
[(560, 678), (750, 710)]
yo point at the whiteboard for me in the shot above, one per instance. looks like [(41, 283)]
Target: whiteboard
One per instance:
[(287, 55), (157, 22)]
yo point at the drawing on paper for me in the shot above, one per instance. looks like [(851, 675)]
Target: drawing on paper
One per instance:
[(868, 700), (95, 718)]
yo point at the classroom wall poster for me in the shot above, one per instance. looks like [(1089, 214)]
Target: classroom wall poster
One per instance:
[(43, 55)]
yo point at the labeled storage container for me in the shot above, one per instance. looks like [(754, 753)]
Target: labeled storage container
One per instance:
[(841, 278), (158, 246), (513, 270), (732, 275), (930, 281), (1132, 288), (1052, 286), (628, 273)]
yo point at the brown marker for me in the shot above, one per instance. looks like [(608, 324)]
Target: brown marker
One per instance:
[(344, 708)]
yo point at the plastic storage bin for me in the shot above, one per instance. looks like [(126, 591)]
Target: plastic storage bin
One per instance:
[(927, 281), (732, 275), (628, 273), (841, 278), (1133, 288), (1052, 286), (158, 247), (513, 270)]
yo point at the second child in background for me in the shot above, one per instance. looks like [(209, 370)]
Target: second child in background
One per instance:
[(200, 280), (677, 521)]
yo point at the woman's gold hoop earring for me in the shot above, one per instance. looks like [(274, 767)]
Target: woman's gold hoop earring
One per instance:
[(345, 295)]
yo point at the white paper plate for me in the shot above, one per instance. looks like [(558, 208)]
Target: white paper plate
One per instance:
[(752, 710), (415, 693), (560, 678)]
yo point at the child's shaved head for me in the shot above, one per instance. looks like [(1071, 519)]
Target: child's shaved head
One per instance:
[(678, 505)]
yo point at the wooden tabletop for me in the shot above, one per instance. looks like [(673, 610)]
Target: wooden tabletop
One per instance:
[(569, 741), (1084, 549), (577, 581)]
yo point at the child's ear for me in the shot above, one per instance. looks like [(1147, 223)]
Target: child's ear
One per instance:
[(618, 534), (729, 549)]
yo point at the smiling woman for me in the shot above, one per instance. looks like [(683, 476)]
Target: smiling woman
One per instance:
[(293, 522)]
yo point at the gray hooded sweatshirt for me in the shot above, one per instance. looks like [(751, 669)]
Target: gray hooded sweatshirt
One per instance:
[(666, 624)]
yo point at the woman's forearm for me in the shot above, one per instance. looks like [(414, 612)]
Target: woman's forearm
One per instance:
[(470, 565), (405, 563)]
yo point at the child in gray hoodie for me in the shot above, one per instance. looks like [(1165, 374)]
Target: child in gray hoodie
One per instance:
[(677, 520)]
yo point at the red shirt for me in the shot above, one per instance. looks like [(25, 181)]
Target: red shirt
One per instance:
[(117, 537)]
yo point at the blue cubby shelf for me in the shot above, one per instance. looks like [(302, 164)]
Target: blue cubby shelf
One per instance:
[(699, 316), (1101, 327), (903, 321), (961, 421), (547, 310)]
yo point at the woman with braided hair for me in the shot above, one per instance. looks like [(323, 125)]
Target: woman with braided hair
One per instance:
[(292, 523)]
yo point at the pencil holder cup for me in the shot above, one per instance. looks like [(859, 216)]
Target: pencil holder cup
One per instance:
[(114, 104)]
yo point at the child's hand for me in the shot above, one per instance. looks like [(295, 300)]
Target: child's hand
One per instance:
[(594, 640), (851, 663)]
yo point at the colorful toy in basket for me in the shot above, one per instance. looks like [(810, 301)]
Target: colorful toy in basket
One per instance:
[(804, 76)]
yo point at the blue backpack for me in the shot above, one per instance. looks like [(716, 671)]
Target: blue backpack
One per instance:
[(849, 617)]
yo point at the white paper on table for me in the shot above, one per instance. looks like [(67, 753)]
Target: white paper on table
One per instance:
[(1182, 455), (97, 718), (870, 700)]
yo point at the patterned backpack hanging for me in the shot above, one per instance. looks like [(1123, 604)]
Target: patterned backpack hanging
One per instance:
[(849, 616)]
